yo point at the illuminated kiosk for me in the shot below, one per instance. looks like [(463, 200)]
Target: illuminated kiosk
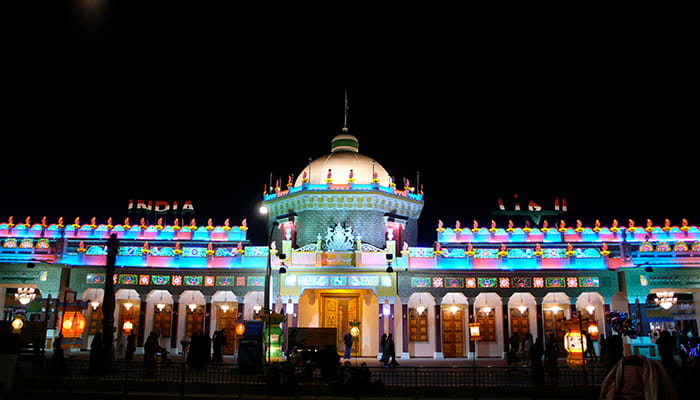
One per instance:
[(337, 224)]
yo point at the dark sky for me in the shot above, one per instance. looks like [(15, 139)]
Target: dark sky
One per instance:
[(100, 105)]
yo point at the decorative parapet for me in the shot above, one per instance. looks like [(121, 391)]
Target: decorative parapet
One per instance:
[(446, 235), (344, 187)]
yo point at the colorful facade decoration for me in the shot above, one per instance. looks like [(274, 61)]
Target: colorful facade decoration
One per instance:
[(347, 233)]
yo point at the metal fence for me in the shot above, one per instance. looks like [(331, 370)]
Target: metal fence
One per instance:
[(284, 380)]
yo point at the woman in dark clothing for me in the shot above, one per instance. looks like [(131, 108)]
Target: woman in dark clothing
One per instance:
[(390, 352), (382, 345), (551, 355), (536, 365), (665, 345)]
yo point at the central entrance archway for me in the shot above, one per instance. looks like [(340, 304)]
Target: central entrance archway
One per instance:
[(338, 310)]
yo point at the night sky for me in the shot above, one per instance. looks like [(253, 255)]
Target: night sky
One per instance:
[(116, 102)]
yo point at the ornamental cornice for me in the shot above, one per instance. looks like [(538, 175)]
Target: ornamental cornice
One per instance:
[(345, 200)]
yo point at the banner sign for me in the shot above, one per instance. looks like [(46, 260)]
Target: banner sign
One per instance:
[(160, 207)]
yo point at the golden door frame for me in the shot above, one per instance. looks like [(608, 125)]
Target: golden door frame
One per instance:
[(338, 309)]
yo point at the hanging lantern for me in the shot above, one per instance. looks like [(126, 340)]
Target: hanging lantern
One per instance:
[(72, 324), (574, 343), (593, 330), (240, 328), (128, 326), (355, 330), (474, 331), (17, 323)]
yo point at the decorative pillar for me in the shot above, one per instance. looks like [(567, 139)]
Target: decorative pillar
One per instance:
[(174, 321), (471, 318), (506, 325), (241, 308), (143, 306), (392, 322), (381, 300), (439, 355), (404, 330), (539, 318), (207, 315)]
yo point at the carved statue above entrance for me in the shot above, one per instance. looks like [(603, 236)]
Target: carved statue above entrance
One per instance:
[(339, 238)]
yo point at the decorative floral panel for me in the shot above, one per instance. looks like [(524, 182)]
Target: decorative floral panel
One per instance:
[(420, 282), (680, 246), (504, 282), (177, 280), (538, 282), (486, 253), (571, 282), (521, 282), (588, 281), (554, 253), (194, 252), (130, 279), (663, 247), (437, 282), (10, 243), (225, 252), (420, 252), (26, 244), (520, 253), (190, 280), (453, 253), (256, 251), (557, 282), (225, 280), (42, 243), (256, 281), (588, 253), (163, 251), (309, 280), (487, 282), (96, 251), (209, 281), (363, 280), (160, 279), (144, 279), (240, 281), (95, 278), (454, 282), (129, 251), (339, 280), (645, 247), (470, 283)]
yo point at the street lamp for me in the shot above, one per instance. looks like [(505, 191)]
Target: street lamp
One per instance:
[(268, 274)]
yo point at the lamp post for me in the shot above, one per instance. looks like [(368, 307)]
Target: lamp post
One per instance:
[(268, 275)]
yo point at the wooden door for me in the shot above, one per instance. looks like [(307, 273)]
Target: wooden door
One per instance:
[(452, 334), (417, 326), (519, 322), (162, 320), (487, 325), (194, 321), (227, 321), (554, 324), (337, 311)]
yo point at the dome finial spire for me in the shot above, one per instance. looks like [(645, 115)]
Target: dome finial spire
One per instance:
[(347, 108)]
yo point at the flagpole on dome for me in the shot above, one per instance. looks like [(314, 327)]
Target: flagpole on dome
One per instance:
[(347, 109)]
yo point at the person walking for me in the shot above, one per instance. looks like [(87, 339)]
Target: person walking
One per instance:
[(390, 352), (536, 365), (551, 355), (130, 346), (382, 346), (665, 345), (527, 349), (347, 340), (513, 347)]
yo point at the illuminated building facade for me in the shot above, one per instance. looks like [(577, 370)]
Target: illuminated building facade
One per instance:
[(346, 237)]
